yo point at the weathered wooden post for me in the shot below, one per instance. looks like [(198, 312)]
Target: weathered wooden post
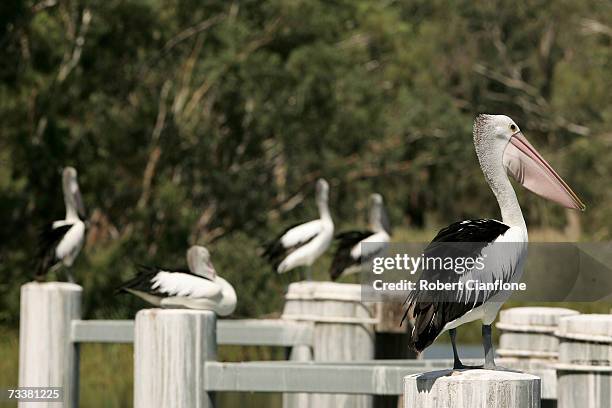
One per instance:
[(528, 343), (343, 331), (47, 357), (584, 371), (471, 388), (529, 332), (171, 347)]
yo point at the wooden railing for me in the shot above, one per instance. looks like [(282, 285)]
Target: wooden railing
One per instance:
[(178, 349)]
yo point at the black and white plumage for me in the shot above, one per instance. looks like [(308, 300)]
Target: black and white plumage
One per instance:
[(61, 241), (434, 311), (501, 149), (357, 248), (303, 244), (198, 287)]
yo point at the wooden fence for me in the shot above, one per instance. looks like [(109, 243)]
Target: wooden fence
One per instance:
[(175, 354)]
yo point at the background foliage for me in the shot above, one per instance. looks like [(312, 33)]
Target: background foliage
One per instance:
[(208, 122)]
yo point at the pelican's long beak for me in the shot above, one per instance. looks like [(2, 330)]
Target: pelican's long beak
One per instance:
[(529, 168)]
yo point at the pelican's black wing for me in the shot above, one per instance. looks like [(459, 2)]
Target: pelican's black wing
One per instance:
[(275, 251), (433, 310), (142, 281), (342, 258), (49, 238)]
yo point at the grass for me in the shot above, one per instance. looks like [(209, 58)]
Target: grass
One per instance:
[(9, 363), (106, 377)]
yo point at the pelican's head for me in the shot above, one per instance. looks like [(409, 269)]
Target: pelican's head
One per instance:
[(378, 216), (322, 192), (376, 200), (500, 144), (198, 260), (72, 194)]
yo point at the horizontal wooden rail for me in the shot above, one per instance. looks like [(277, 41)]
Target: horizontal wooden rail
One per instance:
[(255, 332), (380, 377), (377, 377), (268, 332), (102, 331), (324, 377)]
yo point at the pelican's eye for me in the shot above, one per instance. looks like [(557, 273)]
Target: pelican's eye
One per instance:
[(513, 127)]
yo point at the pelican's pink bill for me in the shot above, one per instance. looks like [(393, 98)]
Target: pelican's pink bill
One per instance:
[(530, 169)]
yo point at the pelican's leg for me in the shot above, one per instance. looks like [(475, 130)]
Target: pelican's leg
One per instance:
[(309, 272), (69, 275), (487, 343), (457, 364), (61, 269)]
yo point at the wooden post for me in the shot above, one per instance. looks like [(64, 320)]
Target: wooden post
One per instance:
[(343, 331), (171, 347), (47, 357), (584, 371), (529, 332), (528, 343), (471, 388)]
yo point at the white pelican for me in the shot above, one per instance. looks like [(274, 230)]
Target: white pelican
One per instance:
[(501, 149), (198, 287), (301, 245), (349, 257), (61, 241)]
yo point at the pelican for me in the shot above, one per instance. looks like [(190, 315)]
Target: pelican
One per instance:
[(350, 255), (198, 287), (301, 245), (502, 150), (61, 241)]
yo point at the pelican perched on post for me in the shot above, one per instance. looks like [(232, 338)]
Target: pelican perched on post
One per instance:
[(501, 149), (301, 245), (198, 287), (61, 241), (358, 247)]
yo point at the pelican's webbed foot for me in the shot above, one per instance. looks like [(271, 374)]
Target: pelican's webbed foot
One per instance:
[(458, 365)]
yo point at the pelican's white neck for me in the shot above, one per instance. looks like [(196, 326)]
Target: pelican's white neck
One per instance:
[(376, 226), (497, 178), (71, 211), (376, 223), (323, 209)]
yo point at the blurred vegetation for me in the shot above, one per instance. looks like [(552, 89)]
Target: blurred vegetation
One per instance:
[(208, 122)]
